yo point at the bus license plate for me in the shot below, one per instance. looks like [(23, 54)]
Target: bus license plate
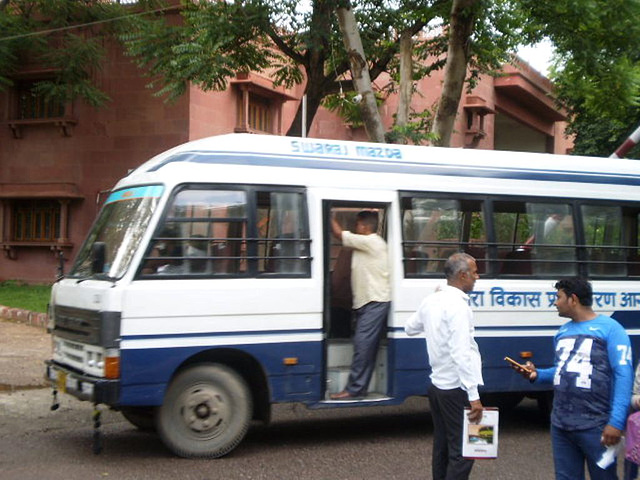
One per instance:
[(62, 382)]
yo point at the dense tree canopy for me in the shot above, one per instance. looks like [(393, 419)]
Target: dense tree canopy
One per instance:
[(597, 68), (597, 42), (292, 39), (47, 34)]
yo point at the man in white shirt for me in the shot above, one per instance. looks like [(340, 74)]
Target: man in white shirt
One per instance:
[(446, 320), (371, 298)]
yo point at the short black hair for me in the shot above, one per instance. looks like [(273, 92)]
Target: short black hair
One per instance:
[(578, 286), (369, 218)]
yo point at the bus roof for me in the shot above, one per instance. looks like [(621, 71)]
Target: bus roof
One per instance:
[(319, 154)]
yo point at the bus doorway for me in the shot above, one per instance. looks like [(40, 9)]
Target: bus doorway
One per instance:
[(339, 318)]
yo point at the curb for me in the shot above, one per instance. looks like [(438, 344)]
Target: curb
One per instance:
[(27, 317)]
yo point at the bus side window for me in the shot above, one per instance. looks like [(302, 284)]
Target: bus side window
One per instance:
[(513, 233), (203, 234), (603, 240), (435, 228), (166, 253), (535, 238), (631, 218), (554, 245), (283, 239)]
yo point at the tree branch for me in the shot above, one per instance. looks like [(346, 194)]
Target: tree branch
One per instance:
[(389, 54), (284, 47)]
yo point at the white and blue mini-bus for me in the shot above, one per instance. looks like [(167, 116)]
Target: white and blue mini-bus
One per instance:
[(209, 288)]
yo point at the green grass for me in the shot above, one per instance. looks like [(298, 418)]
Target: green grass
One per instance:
[(22, 295)]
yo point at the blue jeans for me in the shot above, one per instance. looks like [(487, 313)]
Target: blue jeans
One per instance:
[(572, 448)]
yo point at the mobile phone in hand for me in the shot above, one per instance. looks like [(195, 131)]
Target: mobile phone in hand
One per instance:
[(516, 364)]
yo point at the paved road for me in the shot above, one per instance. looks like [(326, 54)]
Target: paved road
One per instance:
[(368, 443)]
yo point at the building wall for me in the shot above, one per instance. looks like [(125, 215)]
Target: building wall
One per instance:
[(102, 147), (211, 113), (106, 143)]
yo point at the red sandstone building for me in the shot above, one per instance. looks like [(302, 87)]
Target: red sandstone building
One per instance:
[(57, 164)]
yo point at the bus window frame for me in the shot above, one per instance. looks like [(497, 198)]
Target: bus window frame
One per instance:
[(404, 195), (251, 237), (583, 265)]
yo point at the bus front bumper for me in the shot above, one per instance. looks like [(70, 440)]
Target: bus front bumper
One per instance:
[(83, 387)]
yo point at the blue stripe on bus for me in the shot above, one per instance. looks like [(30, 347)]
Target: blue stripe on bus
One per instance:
[(152, 191), (244, 333), (401, 167)]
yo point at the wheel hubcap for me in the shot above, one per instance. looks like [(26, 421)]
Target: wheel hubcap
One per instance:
[(204, 409)]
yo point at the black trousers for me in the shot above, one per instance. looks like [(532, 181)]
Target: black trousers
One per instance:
[(447, 410)]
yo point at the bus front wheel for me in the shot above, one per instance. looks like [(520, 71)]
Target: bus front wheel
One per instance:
[(206, 412)]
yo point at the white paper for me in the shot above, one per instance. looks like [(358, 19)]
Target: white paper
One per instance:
[(480, 440), (610, 454)]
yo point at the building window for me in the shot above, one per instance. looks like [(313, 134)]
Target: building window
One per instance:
[(259, 104), (32, 104), (259, 114), (36, 221)]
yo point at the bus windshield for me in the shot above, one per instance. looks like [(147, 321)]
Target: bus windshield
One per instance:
[(120, 225)]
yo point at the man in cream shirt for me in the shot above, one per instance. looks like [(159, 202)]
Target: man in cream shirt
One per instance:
[(371, 298), (446, 320)]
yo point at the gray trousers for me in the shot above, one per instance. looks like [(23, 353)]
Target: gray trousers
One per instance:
[(447, 410), (371, 320)]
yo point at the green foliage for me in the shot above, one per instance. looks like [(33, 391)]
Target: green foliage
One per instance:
[(348, 109), (600, 137), (597, 70), (417, 131), (214, 41), (74, 65), (46, 33), (291, 43), (21, 295), (501, 26)]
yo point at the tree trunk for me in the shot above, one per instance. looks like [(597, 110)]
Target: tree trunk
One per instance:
[(460, 30), (406, 79), (360, 74)]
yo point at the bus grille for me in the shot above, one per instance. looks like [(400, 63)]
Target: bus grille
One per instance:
[(77, 324)]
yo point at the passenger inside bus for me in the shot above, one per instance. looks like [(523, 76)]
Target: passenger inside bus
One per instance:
[(341, 296), (171, 257), (371, 288)]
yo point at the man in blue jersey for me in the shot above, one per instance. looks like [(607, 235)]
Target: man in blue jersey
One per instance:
[(592, 380)]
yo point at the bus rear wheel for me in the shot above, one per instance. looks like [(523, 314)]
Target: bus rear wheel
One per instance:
[(206, 412)]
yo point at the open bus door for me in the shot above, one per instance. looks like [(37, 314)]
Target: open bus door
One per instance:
[(338, 315)]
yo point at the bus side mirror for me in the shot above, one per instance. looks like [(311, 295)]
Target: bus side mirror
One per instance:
[(98, 256)]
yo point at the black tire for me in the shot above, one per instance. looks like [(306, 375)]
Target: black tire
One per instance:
[(206, 412), (143, 418)]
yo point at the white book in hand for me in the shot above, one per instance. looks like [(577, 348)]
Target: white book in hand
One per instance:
[(480, 440)]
